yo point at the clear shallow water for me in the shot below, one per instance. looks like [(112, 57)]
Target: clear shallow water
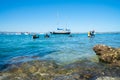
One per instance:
[(60, 48)]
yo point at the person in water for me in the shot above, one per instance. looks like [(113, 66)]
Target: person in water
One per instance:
[(91, 33), (70, 35), (35, 36), (46, 36)]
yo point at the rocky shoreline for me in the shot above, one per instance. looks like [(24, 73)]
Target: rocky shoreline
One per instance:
[(107, 54), (49, 70)]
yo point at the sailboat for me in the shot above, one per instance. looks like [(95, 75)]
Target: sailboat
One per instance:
[(61, 31)]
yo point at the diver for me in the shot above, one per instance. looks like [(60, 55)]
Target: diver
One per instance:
[(35, 36), (89, 34), (46, 36), (93, 33), (70, 35)]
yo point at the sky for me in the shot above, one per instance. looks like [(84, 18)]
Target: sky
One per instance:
[(48, 15)]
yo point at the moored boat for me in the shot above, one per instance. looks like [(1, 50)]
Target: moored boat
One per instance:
[(61, 31)]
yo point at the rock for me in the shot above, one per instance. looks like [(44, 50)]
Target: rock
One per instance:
[(87, 76), (107, 78), (48, 70), (108, 54)]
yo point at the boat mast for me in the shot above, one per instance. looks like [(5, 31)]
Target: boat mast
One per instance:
[(58, 19)]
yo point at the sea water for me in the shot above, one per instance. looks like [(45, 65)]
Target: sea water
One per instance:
[(60, 48)]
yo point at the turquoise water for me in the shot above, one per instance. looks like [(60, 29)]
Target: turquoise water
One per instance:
[(60, 48)]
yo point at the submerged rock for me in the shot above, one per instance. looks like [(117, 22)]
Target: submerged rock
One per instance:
[(107, 78), (108, 54), (49, 70)]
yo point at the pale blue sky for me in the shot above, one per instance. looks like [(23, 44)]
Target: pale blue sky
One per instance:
[(47, 15)]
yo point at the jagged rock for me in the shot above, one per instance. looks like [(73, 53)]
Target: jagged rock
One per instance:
[(108, 54)]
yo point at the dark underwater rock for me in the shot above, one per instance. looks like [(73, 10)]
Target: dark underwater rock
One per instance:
[(108, 54)]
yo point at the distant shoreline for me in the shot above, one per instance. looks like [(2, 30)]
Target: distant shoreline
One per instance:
[(2, 32)]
